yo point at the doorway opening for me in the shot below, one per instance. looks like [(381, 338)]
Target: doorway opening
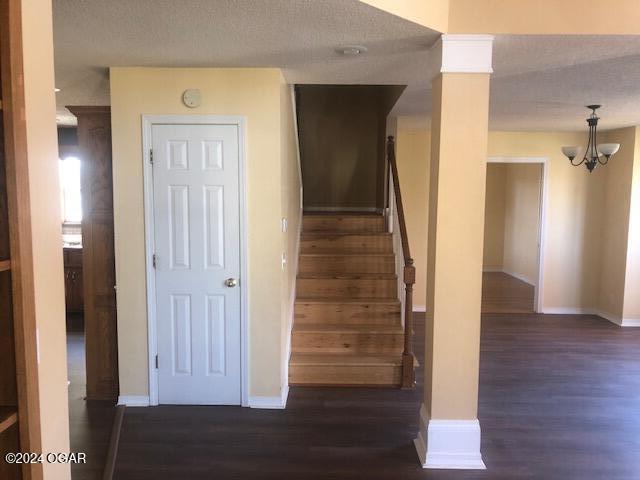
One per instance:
[(90, 346), (513, 235)]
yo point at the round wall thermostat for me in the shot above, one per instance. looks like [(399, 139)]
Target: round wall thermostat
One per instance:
[(192, 98)]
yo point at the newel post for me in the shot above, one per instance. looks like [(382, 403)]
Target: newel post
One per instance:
[(408, 373)]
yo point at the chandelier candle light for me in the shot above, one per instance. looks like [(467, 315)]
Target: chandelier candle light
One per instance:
[(594, 152)]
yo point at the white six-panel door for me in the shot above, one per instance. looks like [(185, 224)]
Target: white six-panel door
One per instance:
[(197, 247)]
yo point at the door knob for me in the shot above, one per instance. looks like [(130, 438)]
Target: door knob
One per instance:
[(231, 282)]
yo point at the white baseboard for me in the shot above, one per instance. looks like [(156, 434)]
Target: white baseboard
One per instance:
[(606, 315), (566, 311), (623, 322), (134, 400), (420, 308), (520, 277), (270, 402), (630, 322), (449, 444), (615, 319), (492, 270)]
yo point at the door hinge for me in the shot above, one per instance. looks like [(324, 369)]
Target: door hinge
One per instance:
[(151, 156), (156, 362), (154, 259)]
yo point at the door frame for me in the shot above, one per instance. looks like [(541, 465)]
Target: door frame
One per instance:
[(542, 221), (148, 121)]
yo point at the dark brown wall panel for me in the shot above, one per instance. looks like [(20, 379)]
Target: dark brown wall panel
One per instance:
[(98, 266), (342, 143)]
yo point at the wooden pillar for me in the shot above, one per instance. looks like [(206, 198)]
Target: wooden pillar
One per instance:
[(98, 263), (449, 429)]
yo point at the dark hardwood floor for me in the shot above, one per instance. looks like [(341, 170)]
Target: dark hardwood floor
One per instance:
[(503, 293), (559, 399), (89, 421)]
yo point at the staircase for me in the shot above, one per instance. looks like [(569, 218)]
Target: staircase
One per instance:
[(347, 327)]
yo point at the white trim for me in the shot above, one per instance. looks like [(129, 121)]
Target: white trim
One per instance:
[(606, 315), (449, 444), (461, 54), (134, 400), (147, 123), (538, 301), (292, 306), (420, 308), (275, 403), (615, 319), (492, 270), (343, 209), (502, 159), (294, 112), (520, 277), (566, 311), (630, 322)]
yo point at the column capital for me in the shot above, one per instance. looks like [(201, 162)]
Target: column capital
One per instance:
[(461, 54)]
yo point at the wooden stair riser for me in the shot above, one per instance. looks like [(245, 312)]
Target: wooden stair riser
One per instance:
[(343, 223), (357, 244), (347, 287), (380, 375), (347, 264), (347, 313), (347, 342)]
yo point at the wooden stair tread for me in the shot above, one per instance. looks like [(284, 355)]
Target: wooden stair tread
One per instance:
[(334, 251), (349, 328), (348, 276), (348, 301), (342, 254), (337, 359), (331, 233), (343, 214)]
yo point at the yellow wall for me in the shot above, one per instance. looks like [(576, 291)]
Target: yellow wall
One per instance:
[(42, 151), (256, 94), (632, 283), (494, 217), (615, 226), (574, 214), (430, 13), (573, 217), (521, 219), (588, 17), (291, 209), (412, 153), (542, 17), (454, 248)]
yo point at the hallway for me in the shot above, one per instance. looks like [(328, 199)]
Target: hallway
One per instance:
[(502, 293), (553, 391), (90, 422)]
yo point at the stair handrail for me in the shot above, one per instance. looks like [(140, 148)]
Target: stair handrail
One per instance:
[(409, 270)]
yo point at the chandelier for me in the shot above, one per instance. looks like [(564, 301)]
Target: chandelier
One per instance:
[(594, 151)]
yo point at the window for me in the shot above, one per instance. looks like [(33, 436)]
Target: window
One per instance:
[(71, 200)]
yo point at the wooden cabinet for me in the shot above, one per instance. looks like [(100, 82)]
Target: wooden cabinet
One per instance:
[(98, 262), (73, 285)]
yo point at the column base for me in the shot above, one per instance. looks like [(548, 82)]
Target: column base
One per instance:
[(449, 444)]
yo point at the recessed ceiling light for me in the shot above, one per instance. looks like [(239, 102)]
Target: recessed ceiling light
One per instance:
[(56, 89), (352, 50)]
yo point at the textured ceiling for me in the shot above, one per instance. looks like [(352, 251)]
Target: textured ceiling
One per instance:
[(540, 83)]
